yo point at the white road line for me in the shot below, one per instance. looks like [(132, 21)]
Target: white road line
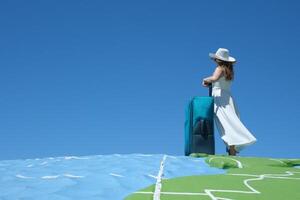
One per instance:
[(209, 192), (158, 185), (283, 178), (238, 162), (287, 173), (252, 190)]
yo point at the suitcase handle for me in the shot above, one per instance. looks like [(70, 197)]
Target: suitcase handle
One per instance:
[(210, 89)]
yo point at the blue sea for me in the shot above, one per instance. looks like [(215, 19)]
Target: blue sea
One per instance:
[(101, 177)]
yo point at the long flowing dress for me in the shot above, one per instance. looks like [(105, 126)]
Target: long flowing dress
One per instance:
[(227, 116)]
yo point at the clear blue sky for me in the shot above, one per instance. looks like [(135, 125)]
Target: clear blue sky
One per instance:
[(103, 77)]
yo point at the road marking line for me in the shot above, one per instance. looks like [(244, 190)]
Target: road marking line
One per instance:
[(158, 185), (209, 192), (253, 191), (238, 162)]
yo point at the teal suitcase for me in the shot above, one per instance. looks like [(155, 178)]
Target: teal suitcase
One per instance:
[(199, 125)]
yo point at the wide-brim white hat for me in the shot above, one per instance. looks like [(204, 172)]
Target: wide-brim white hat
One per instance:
[(222, 54)]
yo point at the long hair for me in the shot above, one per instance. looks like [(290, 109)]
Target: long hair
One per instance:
[(228, 68)]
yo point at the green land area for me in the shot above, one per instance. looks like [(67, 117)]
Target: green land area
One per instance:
[(246, 178)]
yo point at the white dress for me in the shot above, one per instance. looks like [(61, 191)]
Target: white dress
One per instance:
[(227, 116)]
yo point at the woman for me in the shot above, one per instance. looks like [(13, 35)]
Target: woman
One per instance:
[(226, 115)]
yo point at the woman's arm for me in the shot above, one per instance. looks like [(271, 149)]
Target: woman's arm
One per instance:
[(216, 75)]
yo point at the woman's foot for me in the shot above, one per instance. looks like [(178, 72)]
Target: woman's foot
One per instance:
[(232, 151)]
